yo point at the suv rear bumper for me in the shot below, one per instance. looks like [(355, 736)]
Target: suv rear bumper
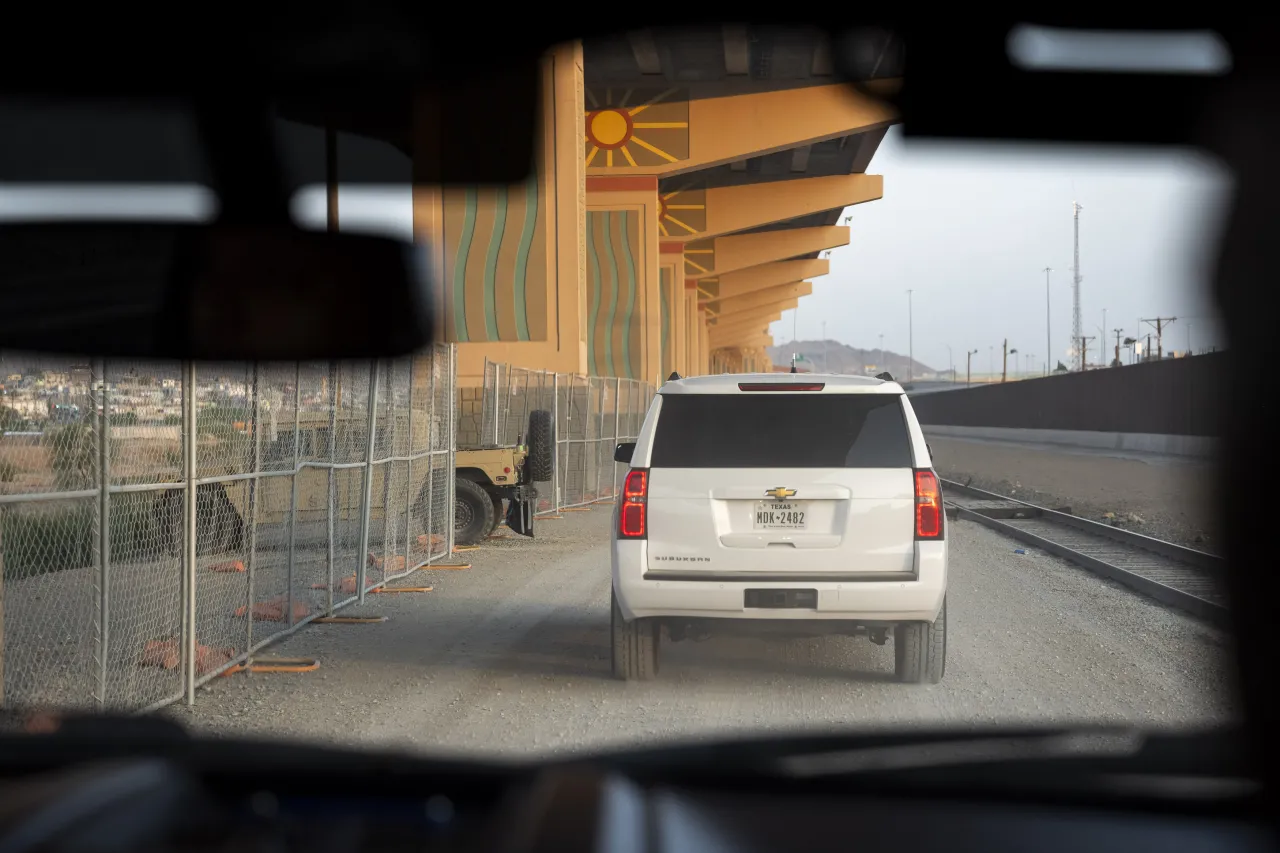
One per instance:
[(915, 598)]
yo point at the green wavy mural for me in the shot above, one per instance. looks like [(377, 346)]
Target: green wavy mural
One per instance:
[(613, 293), (496, 250)]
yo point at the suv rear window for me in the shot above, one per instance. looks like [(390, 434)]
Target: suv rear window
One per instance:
[(782, 431)]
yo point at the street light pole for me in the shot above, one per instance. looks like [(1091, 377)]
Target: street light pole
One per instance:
[(1048, 326), (968, 367), (911, 351), (951, 364)]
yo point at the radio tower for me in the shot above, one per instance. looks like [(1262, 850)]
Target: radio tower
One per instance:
[(1076, 327)]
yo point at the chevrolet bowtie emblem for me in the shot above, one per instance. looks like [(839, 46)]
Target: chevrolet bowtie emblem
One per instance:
[(780, 493)]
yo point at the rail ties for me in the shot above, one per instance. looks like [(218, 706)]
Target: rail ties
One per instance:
[(1171, 574)]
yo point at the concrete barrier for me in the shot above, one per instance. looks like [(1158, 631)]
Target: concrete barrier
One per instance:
[(1171, 407)]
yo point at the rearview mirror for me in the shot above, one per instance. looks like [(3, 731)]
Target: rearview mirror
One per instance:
[(210, 292), (624, 452)]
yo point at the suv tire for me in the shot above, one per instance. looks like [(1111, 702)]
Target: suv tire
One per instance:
[(920, 650), (542, 447), (472, 513), (635, 645)]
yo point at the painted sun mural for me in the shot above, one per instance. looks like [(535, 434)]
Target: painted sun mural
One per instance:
[(682, 213), (632, 127), (699, 258)]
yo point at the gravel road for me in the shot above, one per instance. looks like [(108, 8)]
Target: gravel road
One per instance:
[(1167, 497), (512, 657)]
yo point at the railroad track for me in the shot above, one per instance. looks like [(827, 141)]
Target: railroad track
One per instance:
[(1171, 574)]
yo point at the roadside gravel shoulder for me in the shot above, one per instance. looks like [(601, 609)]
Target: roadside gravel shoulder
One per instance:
[(511, 658)]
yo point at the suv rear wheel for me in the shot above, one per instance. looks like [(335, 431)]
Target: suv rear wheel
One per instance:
[(635, 646), (920, 650)]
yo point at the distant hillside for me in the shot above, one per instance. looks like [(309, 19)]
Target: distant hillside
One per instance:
[(835, 357)]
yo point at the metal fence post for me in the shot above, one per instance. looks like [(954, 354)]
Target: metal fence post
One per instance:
[(189, 567), (293, 492), (387, 468), (600, 443), (555, 435), (586, 421), (331, 507), (104, 537), (409, 497), (255, 414), (497, 381), (452, 445), (617, 421), (432, 435), (367, 499)]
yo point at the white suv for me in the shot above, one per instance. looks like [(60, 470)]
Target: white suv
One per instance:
[(791, 502)]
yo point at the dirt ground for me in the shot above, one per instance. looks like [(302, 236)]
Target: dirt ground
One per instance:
[(1167, 497)]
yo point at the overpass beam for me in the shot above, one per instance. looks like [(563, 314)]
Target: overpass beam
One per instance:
[(721, 255), (765, 276), (728, 307), (697, 214)]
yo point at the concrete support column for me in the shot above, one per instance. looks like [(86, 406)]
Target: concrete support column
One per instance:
[(624, 305), (511, 260)]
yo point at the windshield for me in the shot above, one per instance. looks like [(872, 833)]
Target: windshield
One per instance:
[(450, 552)]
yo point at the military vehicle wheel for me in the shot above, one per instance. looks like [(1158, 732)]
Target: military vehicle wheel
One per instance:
[(472, 513), (542, 446)]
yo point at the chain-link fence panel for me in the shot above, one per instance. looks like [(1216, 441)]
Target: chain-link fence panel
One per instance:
[(159, 523)]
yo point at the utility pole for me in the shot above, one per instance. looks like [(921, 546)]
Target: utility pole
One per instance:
[(1004, 361), (1077, 328), (1118, 332), (1159, 323), (968, 367), (1048, 327), (911, 349), (1084, 350)]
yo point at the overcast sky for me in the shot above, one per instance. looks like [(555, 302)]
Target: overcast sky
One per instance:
[(970, 229)]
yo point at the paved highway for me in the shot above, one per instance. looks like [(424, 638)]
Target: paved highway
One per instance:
[(512, 657)]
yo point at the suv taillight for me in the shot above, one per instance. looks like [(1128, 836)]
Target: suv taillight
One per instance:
[(632, 513), (929, 514)]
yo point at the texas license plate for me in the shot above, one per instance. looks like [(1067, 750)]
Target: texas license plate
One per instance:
[(772, 515)]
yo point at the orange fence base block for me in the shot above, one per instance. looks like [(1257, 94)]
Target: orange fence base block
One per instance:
[(549, 517), (275, 609), (576, 509), (451, 567), (391, 589), (458, 548), (231, 566), (426, 543), (168, 655)]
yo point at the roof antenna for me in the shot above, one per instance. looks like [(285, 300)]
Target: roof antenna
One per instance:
[(885, 377), (673, 377)]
